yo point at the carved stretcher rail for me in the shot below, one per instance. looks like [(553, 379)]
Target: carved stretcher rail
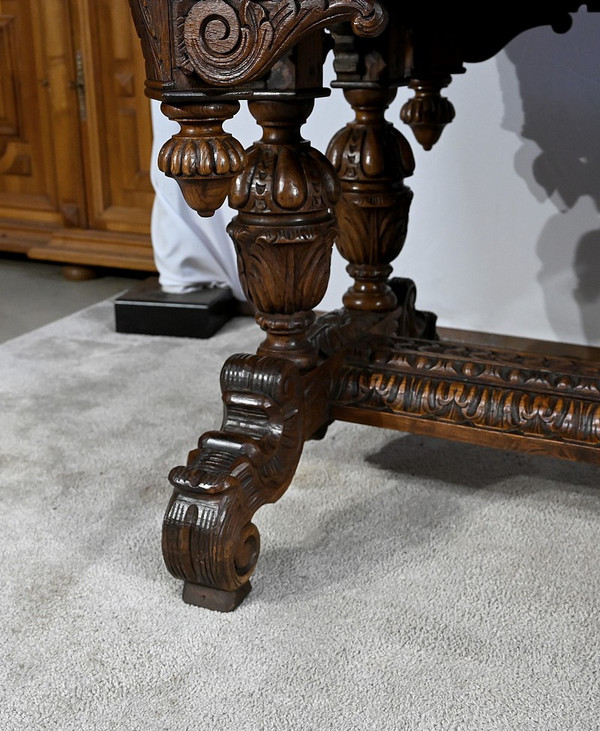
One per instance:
[(448, 389)]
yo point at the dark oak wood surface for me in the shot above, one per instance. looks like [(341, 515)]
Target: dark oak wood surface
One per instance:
[(377, 360)]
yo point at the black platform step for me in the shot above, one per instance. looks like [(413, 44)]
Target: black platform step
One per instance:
[(147, 310)]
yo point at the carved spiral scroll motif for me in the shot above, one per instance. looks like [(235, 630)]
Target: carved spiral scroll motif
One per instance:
[(230, 42), (209, 540)]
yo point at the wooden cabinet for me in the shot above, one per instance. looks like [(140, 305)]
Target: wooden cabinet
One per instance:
[(75, 134)]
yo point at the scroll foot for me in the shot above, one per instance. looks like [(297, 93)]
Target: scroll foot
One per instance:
[(209, 540)]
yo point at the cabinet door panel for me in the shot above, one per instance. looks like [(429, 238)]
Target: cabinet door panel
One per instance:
[(117, 128), (75, 134), (39, 127)]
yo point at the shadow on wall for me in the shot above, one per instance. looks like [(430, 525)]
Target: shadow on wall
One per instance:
[(556, 112)]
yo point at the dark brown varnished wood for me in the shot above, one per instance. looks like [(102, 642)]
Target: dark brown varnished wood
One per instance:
[(285, 228), (209, 539), (371, 159), (202, 157), (526, 400), (378, 360), (231, 43)]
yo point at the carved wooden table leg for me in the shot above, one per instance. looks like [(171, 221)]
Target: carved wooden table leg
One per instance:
[(372, 158), (209, 540), (201, 58), (378, 360), (285, 228), (283, 233)]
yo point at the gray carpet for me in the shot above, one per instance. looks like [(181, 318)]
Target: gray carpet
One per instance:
[(404, 583)]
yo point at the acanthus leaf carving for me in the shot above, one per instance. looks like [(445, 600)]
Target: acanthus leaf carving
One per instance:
[(494, 390), (228, 42), (285, 228)]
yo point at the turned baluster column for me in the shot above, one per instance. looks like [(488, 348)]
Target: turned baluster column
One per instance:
[(371, 158), (285, 228)]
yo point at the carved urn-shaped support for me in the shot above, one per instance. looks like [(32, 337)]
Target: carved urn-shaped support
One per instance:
[(371, 158), (285, 228)]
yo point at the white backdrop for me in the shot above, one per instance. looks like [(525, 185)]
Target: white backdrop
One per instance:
[(504, 229)]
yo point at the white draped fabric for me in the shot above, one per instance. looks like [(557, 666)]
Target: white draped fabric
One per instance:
[(191, 251)]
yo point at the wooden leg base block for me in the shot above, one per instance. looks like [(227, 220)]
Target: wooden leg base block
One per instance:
[(215, 599)]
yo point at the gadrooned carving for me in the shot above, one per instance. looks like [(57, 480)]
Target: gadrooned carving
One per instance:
[(230, 42), (202, 157), (519, 394)]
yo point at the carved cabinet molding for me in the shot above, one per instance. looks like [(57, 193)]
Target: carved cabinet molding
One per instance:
[(75, 134)]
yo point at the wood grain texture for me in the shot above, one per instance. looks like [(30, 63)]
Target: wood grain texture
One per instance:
[(38, 106), (75, 131)]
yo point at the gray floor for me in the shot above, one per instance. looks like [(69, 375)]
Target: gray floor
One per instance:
[(34, 293)]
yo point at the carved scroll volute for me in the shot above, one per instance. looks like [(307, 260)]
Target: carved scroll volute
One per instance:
[(371, 158), (428, 112), (285, 228), (202, 157), (231, 42), (209, 539)]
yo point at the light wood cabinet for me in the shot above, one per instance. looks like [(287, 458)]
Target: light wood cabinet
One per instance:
[(75, 134)]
